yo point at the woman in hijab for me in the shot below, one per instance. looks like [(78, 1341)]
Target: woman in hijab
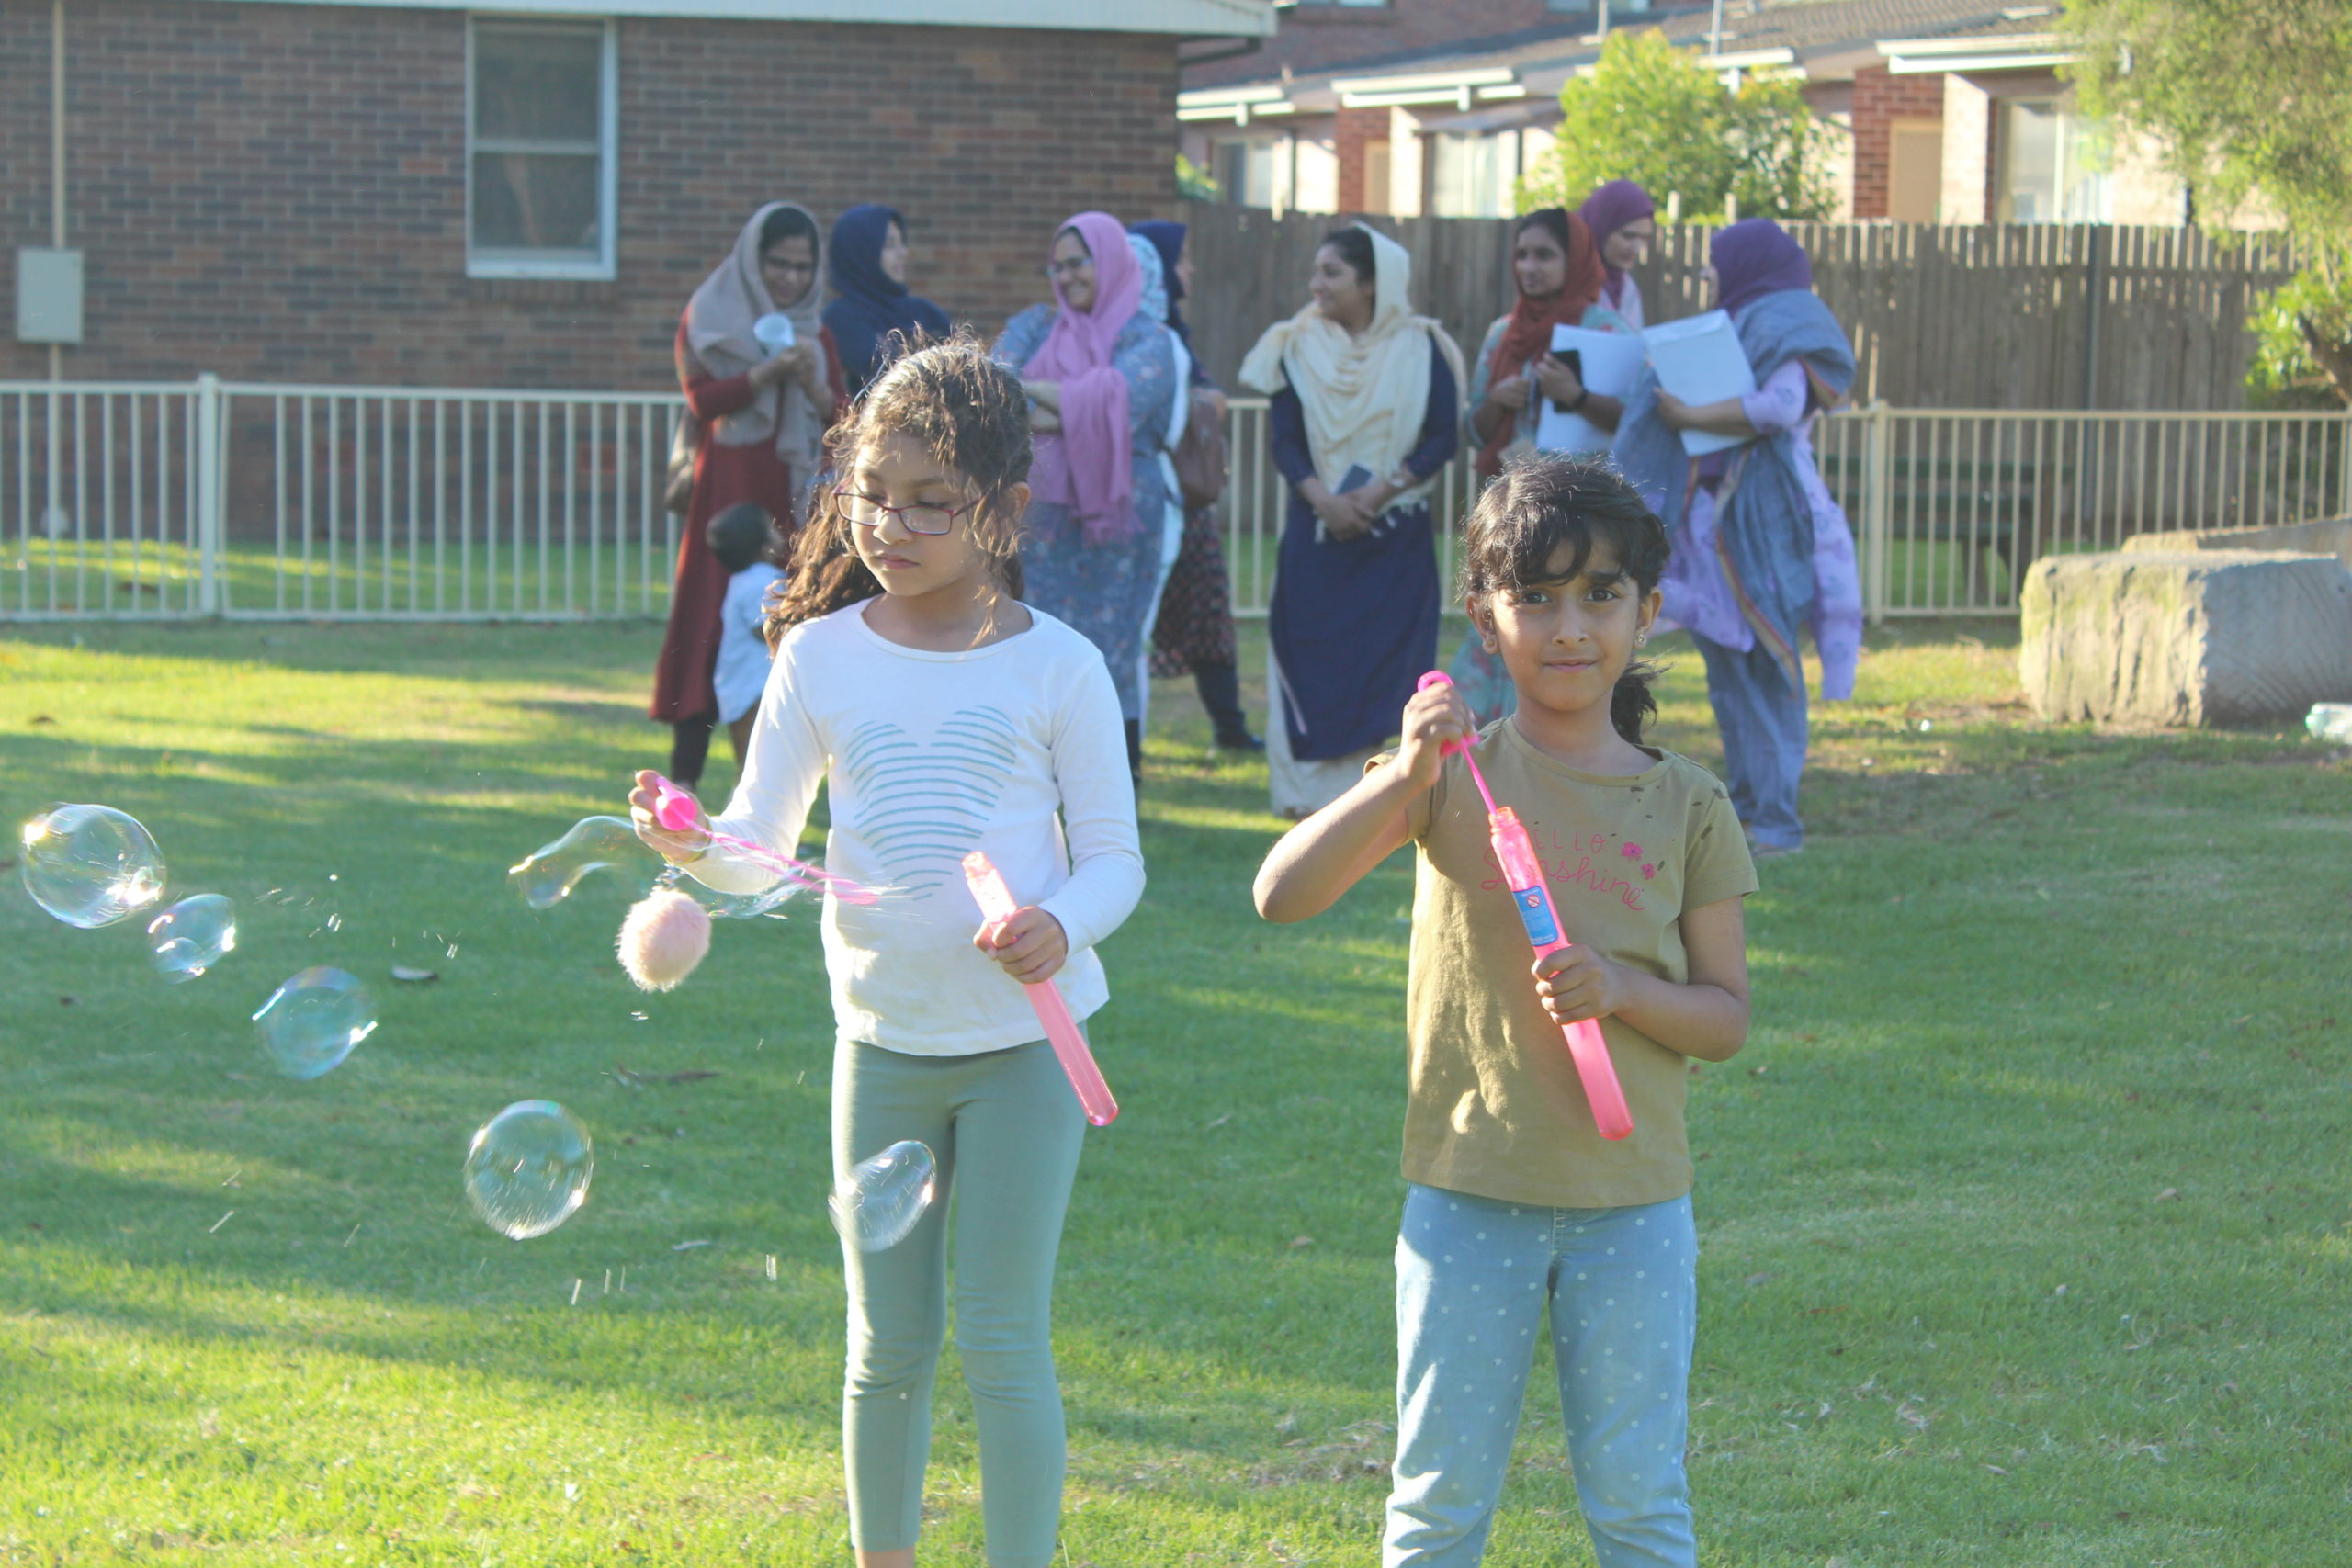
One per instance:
[(1365, 416), (1760, 550), (1193, 633), (763, 414), (868, 271), (1556, 268), (1101, 373), (1624, 220), (1155, 304)]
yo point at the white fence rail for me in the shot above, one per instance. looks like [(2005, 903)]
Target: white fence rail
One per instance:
[(211, 498), (1950, 506)]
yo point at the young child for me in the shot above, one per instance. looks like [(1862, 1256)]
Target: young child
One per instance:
[(740, 538), (943, 716), (1516, 1210)]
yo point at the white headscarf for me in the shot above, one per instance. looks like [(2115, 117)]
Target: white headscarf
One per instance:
[(718, 331), (1364, 394)]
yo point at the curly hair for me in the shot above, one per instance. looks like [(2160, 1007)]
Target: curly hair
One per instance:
[(1542, 501), (970, 414)]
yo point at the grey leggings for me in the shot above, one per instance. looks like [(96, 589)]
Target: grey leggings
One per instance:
[(1006, 1131)]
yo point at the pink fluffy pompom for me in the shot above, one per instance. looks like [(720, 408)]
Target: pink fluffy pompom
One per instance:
[(663, 938)]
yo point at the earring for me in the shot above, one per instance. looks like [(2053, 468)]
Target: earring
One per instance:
[(1640, 639)]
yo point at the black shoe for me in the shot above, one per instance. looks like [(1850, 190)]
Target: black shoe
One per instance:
[(1238, 740)]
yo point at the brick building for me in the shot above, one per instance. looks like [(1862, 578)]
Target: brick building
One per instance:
[(1317, 35), (1941, 110), (421, 192)]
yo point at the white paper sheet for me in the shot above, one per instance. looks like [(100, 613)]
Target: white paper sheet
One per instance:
[(1699, 360), (1612, 362)]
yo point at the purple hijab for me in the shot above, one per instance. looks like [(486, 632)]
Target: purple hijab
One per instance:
[(1755, 257), (1088, 467), (1604, 212)]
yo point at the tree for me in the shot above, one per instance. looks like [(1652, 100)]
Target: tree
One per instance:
[(2251, 101), (1194, 183), (1653, 114)]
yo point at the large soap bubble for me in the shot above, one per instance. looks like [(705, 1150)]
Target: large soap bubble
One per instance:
[(192, 935), (547, 876), (878, 1202), (527, 1168), (311, 1023), (91, 866)]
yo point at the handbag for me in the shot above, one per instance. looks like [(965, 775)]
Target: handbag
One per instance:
[(678, 492), (1202, 459)]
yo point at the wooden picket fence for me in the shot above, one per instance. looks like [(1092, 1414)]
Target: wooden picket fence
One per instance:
[(2010, 316)]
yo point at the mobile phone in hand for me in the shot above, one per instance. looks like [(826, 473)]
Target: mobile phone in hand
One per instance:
[(1574, 359)]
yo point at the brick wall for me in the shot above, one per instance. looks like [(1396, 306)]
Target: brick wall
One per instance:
[(1880, 99), (1352, 132), (1315, 35), (277, 192)]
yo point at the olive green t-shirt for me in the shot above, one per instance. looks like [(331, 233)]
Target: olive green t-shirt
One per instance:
[(1495, 1106)]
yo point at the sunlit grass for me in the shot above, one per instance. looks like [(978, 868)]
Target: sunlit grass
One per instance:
[(2024, 1214)]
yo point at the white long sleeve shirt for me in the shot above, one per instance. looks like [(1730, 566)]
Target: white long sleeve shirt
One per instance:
[(1015, 748)]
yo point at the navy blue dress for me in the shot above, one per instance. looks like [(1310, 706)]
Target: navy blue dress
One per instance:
[(1354, 621)]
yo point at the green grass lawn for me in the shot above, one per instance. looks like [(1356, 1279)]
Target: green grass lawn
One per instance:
[(2026, 1235)]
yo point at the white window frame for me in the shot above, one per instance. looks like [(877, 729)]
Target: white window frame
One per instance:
[(603, 266)]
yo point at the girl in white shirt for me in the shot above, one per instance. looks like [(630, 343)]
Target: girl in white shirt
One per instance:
[(943, 716)]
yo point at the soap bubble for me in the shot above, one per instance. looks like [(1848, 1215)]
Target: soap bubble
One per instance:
[(527, 1168), (880, 1200), (91, 866), (311, 1023), (734, 905), (191, 936), (547, 876)]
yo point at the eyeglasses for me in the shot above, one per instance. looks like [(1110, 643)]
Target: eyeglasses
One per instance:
[(867, 512), (1071, 268)]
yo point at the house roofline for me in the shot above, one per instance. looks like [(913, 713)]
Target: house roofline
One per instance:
[(1181, 19)]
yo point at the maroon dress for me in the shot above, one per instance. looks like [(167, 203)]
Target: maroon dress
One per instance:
[(723, 476)]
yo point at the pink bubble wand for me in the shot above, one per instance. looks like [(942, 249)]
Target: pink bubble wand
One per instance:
[(679, 812), (996, 903), (1523, 872)]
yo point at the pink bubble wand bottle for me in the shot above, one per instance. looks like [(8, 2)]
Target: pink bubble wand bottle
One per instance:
[(1523, 873), (996, 902), (678, 812)]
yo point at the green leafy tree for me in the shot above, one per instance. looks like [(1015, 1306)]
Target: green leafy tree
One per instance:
[(1652, 113), (1194, 183), (2251, 101)]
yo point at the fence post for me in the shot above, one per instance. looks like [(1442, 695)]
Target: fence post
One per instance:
[(1878, 477), (210, 493)]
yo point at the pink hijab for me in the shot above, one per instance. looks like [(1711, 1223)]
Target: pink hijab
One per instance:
[(1089, 466)]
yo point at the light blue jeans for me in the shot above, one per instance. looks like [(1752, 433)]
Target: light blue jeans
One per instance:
[(1475, 1279), (1763, 726)]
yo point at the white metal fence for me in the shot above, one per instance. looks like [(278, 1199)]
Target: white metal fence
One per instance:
[(1950, 506), (212, 498), (260, 501)]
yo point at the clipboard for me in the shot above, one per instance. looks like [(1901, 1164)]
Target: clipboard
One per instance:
[(1699, 360), (1610, 363)]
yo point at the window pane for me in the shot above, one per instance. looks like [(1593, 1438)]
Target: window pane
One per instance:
[(2086, 172), (2032, 158), (535, 202), (538, 83)]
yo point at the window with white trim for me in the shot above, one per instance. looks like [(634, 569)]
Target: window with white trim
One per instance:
[(2054, 165), (540, 149)]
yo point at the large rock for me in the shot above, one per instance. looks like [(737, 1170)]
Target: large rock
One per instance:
[(2196, 637), (2329, 538)]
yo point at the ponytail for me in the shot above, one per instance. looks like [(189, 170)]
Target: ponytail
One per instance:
[(1631, 704)]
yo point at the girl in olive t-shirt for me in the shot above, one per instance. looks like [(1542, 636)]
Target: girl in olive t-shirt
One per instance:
[(1517, 1210)]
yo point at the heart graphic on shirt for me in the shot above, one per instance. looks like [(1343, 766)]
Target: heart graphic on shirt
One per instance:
[(923, 805)]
